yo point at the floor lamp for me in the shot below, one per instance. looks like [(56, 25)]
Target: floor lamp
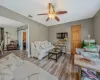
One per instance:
[(7, 33)]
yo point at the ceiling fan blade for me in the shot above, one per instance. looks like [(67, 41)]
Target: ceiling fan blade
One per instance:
[(61, 12), (51, 8), (43, 14), (47, 19), (57, 18)]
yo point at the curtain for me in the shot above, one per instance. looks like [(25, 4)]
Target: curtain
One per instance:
[(1, 34)]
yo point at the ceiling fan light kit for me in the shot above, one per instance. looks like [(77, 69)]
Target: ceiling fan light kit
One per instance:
[(52, 14)]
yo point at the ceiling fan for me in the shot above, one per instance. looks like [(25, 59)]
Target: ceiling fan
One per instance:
[(52, 14)]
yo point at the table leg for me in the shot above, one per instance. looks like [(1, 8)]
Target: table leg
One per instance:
[(56, 58), (65, 50), (48, 56), (61, 53), (79, 70)]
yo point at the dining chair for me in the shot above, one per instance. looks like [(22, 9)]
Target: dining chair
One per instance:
[(1, 47)]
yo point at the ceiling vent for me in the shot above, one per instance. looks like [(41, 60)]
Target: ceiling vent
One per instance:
[(30, 16)]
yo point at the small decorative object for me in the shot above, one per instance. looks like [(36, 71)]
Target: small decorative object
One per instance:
[(7, 36), (84, 49), (88, 36), (65, 39)]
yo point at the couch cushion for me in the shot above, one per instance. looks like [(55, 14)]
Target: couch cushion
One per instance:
[(49, 44), (46, 44), (46, 50), (43, 46), (38, 46)]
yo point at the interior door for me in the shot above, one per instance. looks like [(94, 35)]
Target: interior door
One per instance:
[(27, 40), (20, 40), (75, 38)]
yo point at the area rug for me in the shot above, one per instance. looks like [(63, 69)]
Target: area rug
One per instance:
[(14, 68)]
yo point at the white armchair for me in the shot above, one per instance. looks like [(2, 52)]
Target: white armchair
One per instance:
[(39, 49)]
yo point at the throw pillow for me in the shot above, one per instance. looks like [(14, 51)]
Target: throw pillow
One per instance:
[(49, 44), (46, 44), (43, 46)]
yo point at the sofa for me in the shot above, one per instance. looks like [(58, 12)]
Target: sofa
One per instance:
[(39, 49), (88, 46), (14, 68)]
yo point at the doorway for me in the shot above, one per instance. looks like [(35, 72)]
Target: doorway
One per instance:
[(75, 38), (23, 39)]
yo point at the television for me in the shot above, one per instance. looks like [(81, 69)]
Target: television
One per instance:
[(62, 35)]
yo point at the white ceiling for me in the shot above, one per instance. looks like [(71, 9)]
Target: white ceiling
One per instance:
[(5, 22), (77, 9)]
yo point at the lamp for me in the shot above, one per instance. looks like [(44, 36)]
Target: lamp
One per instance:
[(89, 41), (88, 36), (7, 36)]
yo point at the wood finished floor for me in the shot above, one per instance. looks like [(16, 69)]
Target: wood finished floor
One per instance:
[(63, 69)]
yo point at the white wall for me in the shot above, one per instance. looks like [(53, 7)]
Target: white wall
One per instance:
[(97, 27), (37, 31), (0, 35), (86, 28), (12, 34)]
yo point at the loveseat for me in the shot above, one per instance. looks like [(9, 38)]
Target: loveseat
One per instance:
[(39, 49)]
